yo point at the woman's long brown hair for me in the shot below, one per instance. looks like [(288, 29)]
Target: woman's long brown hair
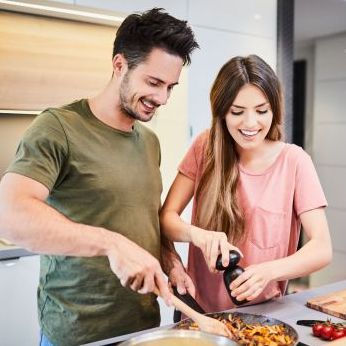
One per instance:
[(219, 208)]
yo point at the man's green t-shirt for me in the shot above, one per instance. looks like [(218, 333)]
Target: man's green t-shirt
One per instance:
[(99, 176)]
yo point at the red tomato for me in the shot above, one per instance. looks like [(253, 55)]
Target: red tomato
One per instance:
[(317, 328), (326, 332), (338, 333)]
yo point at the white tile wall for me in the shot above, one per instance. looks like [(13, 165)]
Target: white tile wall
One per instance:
[(333, 181), (331, 58), (337, 227), (331, 273), (331, 97), (329, 143)]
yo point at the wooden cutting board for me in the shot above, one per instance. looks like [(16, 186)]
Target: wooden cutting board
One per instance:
[(333, 304)]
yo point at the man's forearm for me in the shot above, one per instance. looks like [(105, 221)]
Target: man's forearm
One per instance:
[(169, 256), (33, 224)]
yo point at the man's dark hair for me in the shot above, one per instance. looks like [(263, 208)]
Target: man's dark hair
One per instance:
[(138, 34)]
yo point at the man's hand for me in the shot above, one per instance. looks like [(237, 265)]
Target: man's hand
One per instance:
[(181, 280), (174, 268), (136, 268)]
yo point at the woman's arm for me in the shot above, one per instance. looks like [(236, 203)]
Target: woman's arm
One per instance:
[(314, 255), (211, 243), (179, 195)]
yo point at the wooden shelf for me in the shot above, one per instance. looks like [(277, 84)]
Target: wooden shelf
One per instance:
[(47, 61)]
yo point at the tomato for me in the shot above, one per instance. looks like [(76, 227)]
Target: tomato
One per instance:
[(316, 329), (326, 332), (338, 333)]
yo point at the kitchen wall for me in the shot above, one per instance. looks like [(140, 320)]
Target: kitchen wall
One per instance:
[(329, 143)]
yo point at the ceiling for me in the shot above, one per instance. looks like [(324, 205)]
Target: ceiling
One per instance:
[(318, 18)]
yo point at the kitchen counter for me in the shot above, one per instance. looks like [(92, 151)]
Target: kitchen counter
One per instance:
[(288, 309)]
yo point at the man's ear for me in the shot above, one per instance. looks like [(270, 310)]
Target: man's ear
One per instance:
[(119, 64)]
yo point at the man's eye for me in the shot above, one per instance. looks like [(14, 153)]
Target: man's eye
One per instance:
[(153, 83)]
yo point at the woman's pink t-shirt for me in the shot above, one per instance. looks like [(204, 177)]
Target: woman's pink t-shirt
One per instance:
[(272, 202)]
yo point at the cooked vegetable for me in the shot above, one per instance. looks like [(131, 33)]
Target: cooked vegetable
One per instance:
[(229, 275), (253, 334), (234, 258)]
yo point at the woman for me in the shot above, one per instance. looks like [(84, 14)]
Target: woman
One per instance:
[(251, 192)]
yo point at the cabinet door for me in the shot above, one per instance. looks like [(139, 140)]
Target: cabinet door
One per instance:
[(18, 313)]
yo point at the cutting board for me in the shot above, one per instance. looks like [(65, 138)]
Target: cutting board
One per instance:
[(332, 303)]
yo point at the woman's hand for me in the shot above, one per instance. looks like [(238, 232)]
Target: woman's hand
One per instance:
[(212, 244), (253, 281)]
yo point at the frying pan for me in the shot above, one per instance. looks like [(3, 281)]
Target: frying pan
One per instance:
[(246, 318)]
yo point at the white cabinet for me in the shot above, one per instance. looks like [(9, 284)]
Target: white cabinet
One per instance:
[(175, 8), (250, 17), (18, 313)]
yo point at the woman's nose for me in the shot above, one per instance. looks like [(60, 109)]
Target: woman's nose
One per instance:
[(250, 120)]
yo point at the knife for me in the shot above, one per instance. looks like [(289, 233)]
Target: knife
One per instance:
[(309, 323), (189, 300)]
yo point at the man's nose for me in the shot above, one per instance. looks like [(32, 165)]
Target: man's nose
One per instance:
[(161, 96)]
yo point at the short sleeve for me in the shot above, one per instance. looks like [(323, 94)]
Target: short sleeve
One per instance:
[(42, 151), (308, 194), (194, 156)]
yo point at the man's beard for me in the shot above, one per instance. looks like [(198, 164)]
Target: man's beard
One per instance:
[(125, 105)]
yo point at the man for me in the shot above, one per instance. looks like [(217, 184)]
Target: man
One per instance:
[(85, 188)]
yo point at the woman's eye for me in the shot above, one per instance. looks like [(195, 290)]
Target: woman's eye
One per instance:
[(262, 112), (236, 113)]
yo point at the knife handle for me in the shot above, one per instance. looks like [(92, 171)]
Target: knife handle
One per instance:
[(308, 323), (188, 300)]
